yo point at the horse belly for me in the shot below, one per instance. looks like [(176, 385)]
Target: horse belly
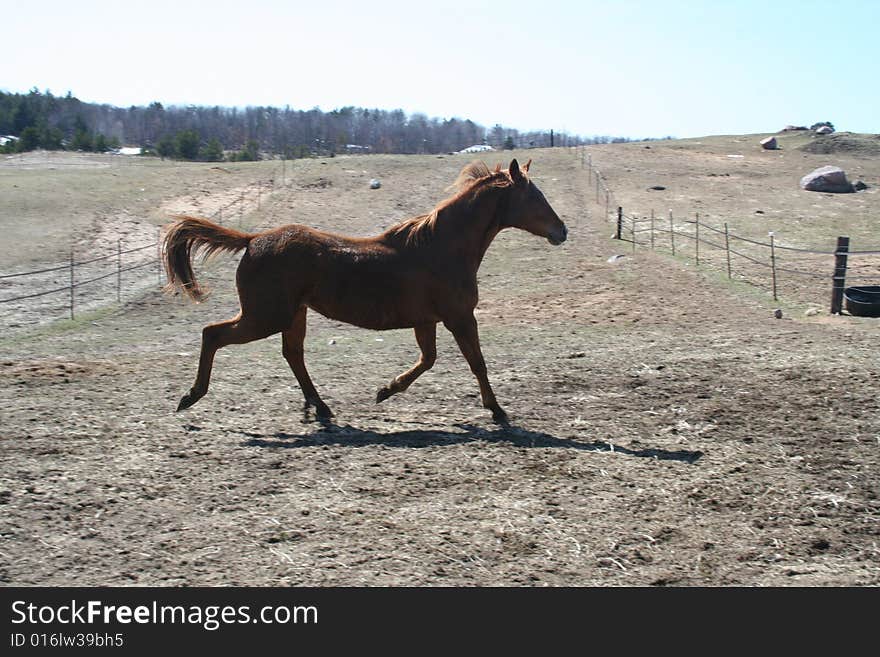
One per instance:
[(378, 302)]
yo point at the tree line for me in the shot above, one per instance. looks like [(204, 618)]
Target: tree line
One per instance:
[(43, 120)]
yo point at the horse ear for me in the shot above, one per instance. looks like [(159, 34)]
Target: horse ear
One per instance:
[(515, 173), (527, 165)]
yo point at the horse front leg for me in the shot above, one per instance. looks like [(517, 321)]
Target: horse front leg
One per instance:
[(292, 348), (426, 336), (468, 339)]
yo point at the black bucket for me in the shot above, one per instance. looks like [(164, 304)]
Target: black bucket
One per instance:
[(863, 301)]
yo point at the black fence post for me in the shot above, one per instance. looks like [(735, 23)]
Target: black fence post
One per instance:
[(619, 222), (839, 280)]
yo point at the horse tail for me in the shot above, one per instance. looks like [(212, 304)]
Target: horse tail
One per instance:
[(188, 235)]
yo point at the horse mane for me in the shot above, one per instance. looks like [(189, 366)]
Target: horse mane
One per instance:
[(419, 230)]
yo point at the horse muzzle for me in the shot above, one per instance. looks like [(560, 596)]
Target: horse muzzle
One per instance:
[(558, 237)]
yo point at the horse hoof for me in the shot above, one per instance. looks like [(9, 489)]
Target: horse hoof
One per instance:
[(499, 416), (186, 401), (323, 411), (382, 394)]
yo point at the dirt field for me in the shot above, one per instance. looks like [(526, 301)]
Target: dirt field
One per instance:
[(666, 428)]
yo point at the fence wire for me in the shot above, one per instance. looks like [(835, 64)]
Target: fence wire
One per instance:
[(630, 227)]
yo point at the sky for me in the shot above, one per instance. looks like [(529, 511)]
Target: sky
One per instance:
[(587, 67)]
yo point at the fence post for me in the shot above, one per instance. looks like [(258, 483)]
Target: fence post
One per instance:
[(606, 205), (839, 279), (697, 241), (71, 283), (118, 271), (773, 263), (727, 248), (671, 232), (619, 221)]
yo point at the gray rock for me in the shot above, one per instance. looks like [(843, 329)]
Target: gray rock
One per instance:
[(375, 184), (824, 130), (827, 179), (859, 185), (769, 143)]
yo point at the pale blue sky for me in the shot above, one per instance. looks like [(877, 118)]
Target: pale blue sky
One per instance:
[(633, 68)]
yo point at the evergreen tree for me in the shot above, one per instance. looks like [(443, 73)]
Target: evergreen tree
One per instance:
[(165, 147), (187, 144), (212, 151), (28, 140)]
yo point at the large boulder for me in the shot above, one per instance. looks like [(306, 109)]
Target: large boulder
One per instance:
[(824, 130), (769, 143), (827, 179)]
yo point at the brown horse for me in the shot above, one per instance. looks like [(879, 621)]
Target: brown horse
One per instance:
[(414, 275)]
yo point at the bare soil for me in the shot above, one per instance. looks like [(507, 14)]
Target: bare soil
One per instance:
[(666, 428)]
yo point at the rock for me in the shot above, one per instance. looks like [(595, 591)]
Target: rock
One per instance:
[(769, 144), (791, 128), (656, 188), (859, 185), (778, 313), (824, 130), (812, 312), (375, 184), (827, 179)]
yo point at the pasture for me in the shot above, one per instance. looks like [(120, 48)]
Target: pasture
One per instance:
[(665, 427)]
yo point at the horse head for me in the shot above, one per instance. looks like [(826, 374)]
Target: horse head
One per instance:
[(529, 210)]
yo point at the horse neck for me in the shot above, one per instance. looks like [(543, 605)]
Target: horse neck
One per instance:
[(470, 223)]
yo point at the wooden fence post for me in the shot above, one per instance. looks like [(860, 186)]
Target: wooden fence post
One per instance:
[(619, 221), (773, 262), (839, 279), (71, 283), (727, 248), (118, 271)]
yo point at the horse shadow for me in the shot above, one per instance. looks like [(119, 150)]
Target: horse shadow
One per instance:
[(349, 436)]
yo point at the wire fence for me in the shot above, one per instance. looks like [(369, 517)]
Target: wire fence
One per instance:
[(767, 264), (87, 281)]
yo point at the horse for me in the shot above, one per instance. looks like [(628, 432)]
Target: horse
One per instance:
[(416, 274)]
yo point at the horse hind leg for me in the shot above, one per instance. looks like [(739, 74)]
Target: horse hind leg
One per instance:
[(426, 336), (292, 348), (238, 330)]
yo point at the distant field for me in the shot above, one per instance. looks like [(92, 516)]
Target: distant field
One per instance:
[(701, 176), (53, 201)]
